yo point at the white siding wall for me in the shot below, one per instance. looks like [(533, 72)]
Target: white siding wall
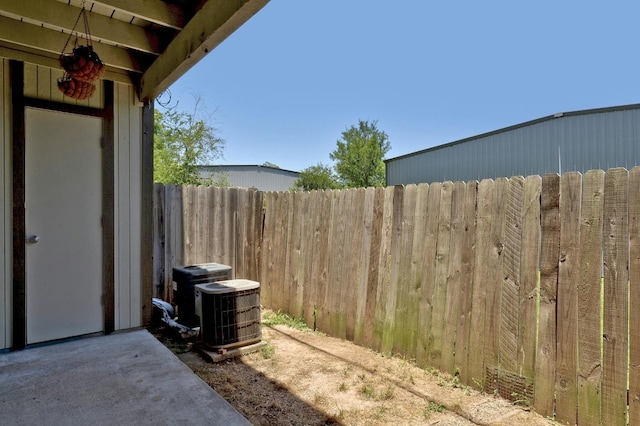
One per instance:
[(41, 83), (128, 150)]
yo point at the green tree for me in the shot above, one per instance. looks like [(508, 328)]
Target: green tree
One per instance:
[(181, 143), (315, 177), (359, 155)]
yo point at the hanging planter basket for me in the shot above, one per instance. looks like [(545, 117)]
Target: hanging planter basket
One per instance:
[(82, 65), (76, 89)]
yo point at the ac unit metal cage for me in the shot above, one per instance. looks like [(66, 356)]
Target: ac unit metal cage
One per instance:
[(229, 313)]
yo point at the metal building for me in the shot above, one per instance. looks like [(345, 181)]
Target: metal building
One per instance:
[(601, 138), (263, 178)]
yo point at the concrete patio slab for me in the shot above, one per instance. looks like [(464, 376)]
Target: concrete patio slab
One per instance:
[(123, 378)]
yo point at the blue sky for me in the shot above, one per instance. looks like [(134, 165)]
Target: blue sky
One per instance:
[(284, 86)]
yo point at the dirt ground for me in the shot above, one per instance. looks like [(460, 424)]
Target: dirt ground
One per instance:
[(301, 377)]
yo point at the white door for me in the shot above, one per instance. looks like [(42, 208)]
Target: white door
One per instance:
[(64, 234)]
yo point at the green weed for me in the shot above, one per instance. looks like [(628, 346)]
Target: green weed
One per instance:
[(267, 351), (270, 318)]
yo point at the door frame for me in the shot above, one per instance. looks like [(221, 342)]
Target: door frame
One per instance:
[(20, 102)]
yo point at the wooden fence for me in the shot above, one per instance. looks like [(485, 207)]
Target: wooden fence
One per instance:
[(527, 287)]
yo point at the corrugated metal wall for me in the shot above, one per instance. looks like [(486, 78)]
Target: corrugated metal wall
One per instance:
[(263, 178), (579, 141)]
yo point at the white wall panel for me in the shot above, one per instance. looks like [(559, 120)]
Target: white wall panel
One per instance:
[(128, 146)]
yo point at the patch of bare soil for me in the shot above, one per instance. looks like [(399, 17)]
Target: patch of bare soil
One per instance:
[(307, 378)]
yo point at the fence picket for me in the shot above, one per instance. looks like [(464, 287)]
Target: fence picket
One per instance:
[(550, 246), (589, 297), (306, 247), (384, 259), (461, 360), (159, 243), (344, 284), (374, 272), (402, 334), (529, 262), (509, 309), (267, 255), (425, 298), (292, 279), (189, 225), (634, 296), (436, 338), (454, 288), (494, 279), (367, 270), (397, 205), (567, 303), (481, 273), (415, 279), (354, 264), (616, 267), (323, 262)]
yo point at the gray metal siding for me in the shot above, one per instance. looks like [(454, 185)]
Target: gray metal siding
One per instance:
[(260, 177), (576, 142)]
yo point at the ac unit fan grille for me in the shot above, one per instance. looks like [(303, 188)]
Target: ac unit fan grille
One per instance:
[(231, 319)]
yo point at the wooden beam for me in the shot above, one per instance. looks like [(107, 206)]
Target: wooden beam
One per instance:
[(49, 41), (31, 56), (209, 27), (62, 17), (156, 11), (146, 267), (108, 209)]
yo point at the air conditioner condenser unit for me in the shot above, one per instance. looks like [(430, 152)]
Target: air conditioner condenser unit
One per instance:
[(229, 313)]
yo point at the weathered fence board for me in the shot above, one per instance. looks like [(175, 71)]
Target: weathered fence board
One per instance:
[(402, 335), (511, 272), (616, 246), (511, 284), (376, 197), (634, 296), (481, 277), (462, 353), (425, 300), (415, 280), (322, 318), (340, 215), (494, 279), (549, 250), (589, 297), (159, 240), (438, 312), (568, 280), (391, 295), (307, 250), (267, 258), (295, 260), (384, 259), (453, 282), (363, 296), (529, 264), (353, 236)]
